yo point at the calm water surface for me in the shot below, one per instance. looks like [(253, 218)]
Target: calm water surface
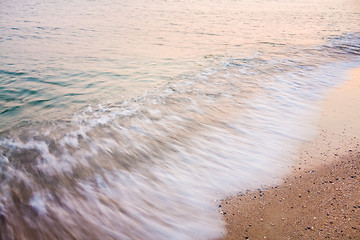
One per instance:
[(129, 119)]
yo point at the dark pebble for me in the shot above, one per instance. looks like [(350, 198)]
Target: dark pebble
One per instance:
[(2, 218)]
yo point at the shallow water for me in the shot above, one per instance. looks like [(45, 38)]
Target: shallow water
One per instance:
[(128, 120)]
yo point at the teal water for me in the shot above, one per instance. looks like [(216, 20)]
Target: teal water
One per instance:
[(128, 120), (57, 57)]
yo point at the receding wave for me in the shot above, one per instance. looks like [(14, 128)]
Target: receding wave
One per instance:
[(152, 167)]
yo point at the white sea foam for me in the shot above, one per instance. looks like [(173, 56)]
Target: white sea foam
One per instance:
[(37, 202)]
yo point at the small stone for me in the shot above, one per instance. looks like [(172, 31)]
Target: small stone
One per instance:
[(2, 218)]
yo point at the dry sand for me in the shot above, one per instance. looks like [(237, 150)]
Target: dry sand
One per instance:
[(320, 199)]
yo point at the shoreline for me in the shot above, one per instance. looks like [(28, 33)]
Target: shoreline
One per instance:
[(320, 198)]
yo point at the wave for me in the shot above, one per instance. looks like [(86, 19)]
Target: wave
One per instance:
[(152, 167)]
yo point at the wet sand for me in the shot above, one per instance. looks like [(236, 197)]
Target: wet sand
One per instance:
[(320, 198)]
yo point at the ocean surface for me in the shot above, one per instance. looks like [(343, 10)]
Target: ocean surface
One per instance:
[(132, 119)]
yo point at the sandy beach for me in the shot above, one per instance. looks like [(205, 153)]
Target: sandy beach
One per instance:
[(320, 199)]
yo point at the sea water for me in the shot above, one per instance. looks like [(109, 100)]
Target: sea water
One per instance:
[(130, 119)]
